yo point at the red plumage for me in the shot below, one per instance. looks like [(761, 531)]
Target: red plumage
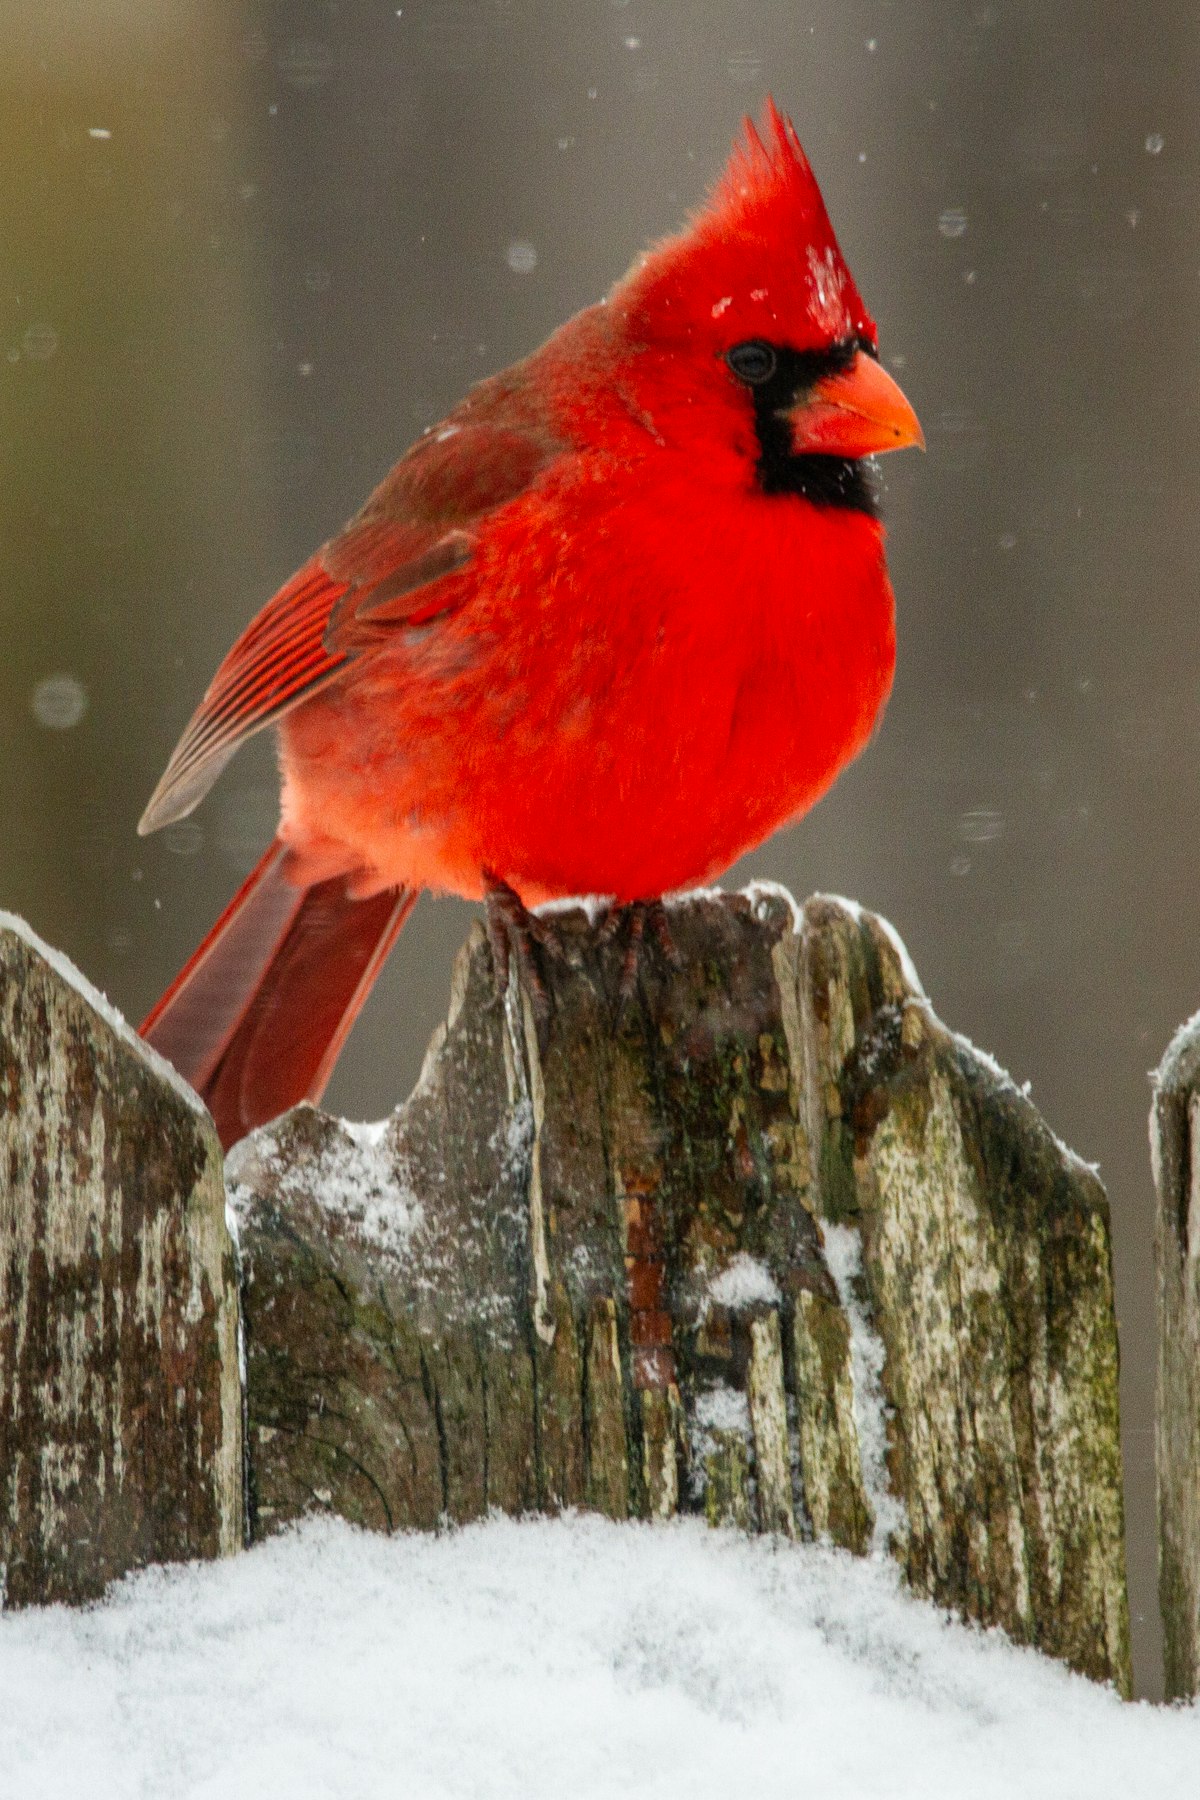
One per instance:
[(617, 619)]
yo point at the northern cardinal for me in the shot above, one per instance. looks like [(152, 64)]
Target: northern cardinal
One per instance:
[(617, 619)]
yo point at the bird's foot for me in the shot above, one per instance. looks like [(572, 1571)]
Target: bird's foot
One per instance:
[(515, 933), (634, 920)]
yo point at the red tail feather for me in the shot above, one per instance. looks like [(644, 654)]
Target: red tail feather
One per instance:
[(256, 1019)]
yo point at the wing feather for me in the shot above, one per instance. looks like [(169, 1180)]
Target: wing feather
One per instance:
[(280, 659), (392, 565)]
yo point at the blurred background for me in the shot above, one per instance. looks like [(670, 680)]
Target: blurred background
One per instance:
[(247, 251)]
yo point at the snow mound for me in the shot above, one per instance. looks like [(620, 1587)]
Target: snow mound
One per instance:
[(550, 1658)]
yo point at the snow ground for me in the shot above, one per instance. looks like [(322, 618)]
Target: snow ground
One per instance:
[(569, 1658)]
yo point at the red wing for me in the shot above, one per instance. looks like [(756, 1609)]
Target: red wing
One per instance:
[(278, 660), (387, 589), (383, 571)]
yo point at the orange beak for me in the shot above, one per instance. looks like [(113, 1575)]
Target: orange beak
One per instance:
[(858, 412)]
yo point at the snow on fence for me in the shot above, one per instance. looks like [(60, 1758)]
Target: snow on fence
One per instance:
[(766, 1242)]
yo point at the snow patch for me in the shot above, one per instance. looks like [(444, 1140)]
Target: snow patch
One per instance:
[(858, 913), (717, 1409), (723, 1408), (744, 1281), (1025, 1089), (1178, 1066), (843, 1258), (828, 299), (595, 907), (855, 908), (685, 896), (369, 1134), (353, 1179), (761, 893), (525, 1661), (908, 967)]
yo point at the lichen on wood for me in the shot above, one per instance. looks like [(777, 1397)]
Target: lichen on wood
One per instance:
[(987, 1261), (825, 1425), (607, 1277), (120, 1404)]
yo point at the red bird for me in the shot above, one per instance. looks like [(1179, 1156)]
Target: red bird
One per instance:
[(617, 619)]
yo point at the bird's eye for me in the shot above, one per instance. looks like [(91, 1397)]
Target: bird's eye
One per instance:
[(753, 362)]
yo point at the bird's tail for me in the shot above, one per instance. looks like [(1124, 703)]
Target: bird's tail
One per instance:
[(256, 1018)]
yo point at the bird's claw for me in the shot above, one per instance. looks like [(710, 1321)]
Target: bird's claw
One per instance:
[(634, 919), (514, 932)]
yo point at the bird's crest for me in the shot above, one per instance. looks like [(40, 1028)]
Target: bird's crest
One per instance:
[(767, 168), (760, 255)]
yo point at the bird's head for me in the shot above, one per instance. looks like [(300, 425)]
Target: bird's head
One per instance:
[(747, 331)]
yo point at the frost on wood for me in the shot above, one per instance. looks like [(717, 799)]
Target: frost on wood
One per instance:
[(120, 1407), (765, 1242), (1175, 1154)]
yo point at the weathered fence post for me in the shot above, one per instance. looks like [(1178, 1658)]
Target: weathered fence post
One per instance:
[(766, 1241), (1175, 1156), (120, 1401)]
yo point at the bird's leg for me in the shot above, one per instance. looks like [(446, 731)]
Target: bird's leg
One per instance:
[(660, 925), (514, 931), (633, 951), (634, 919)]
